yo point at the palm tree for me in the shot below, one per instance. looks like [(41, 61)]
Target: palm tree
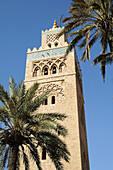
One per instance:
[(90, 21), (21, 127)]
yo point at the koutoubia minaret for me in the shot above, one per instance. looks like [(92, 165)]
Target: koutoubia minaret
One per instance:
[(62, 76)]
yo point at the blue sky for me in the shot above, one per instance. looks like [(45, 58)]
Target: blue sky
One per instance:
[(21, 23)]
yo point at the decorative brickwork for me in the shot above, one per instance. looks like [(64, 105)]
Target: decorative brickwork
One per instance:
[(51, 87), (38, 66), (51, 38)]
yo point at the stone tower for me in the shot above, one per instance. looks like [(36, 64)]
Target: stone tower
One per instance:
[(48, 67)]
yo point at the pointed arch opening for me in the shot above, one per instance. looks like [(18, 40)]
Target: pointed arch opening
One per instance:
[(45, 102), (36, 72), (43, 153), (61, 67), (54, 69), (53, 100), (56, 43), (45, 70), (49, 44)]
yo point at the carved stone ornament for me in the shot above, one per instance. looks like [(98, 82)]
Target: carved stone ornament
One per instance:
[(51, 87), (49, 62)]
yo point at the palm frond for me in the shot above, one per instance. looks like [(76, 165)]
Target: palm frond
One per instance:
[(4, 117), (55, 148), (18, 160), (25, 159), (94, 39), (4, 97), (38, 101), (104, 44), (7, 151), (52, 125), (12, 87), (4, 153), (107, 57), (21, 90), (31, 92), (2, 149), (102, 67), (103, 59), (34, 153), (52, 116)]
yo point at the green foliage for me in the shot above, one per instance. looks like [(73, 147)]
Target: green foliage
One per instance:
[(89, 21), (22, 127)]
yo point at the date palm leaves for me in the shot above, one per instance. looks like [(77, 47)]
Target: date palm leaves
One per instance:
[(21, 128), (90, 21)]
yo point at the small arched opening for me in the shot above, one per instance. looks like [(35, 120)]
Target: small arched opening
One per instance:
[(36, 72), (53, 100), (49, 45), (45, 70), (61, 67), (54, 69), (43, 153), (45, 102), (56, 44)]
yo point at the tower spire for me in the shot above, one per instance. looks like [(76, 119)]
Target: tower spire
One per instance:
[(55, 24)]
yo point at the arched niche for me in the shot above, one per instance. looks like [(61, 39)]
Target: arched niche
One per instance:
[(56, 43), (36, 71), (49, 44), (54, 69), (45, 70), (62, 67)]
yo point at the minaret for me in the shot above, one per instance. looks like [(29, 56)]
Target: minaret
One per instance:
[(62, 76)]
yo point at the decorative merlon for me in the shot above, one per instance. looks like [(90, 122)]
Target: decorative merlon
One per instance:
[(34, 49), (28, 50)]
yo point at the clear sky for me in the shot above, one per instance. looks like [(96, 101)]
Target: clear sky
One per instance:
[(21, 22)]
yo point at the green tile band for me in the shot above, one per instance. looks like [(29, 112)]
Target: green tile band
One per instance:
[(46, 53)]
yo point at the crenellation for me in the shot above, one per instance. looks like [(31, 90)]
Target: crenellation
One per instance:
[(34, 49)]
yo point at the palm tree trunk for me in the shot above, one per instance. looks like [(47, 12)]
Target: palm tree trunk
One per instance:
[(13, 158)]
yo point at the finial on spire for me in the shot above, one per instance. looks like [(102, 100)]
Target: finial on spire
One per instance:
[(55, 24)]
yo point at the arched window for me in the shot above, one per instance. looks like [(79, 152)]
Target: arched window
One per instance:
[(45, 70), (43, 154), (49, 45), (45, 102), (54, 69), (56, 44), (36, 72), (61, 67), (53, 100)]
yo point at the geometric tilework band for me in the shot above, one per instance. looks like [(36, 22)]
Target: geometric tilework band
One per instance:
[(46, 53)]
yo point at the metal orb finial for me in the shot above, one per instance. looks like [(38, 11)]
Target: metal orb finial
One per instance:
[(55, 24)]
